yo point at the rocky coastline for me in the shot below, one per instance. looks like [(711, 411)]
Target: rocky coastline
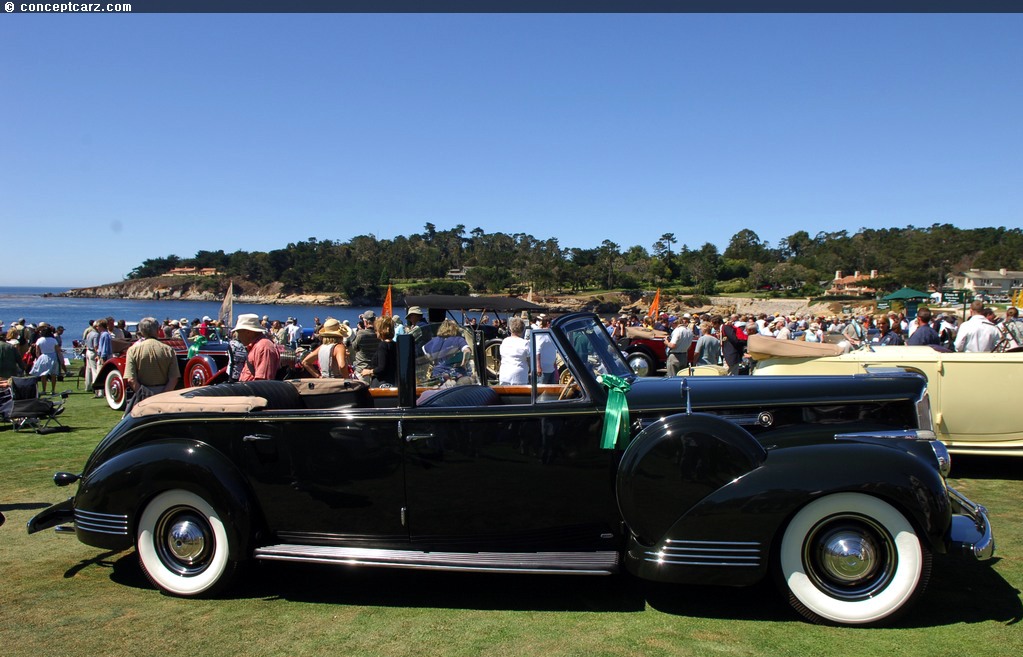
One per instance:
[(186, 289), (197, 289)]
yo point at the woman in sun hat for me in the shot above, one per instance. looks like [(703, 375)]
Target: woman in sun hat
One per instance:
[(331, 357)]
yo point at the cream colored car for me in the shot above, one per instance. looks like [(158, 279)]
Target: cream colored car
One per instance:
[(976, 398)]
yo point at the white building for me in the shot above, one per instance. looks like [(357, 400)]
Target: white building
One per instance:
[(1001, 282)]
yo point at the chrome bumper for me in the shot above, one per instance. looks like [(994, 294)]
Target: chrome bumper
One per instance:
[(970, 533)]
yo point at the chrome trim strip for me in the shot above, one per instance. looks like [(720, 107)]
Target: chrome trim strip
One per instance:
[(904, 434), (562, 563), (742, 419), (101, 523), (742, 554), (974, 538)]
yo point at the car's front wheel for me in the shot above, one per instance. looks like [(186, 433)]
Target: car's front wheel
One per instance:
[(183, 545), (852, 559), (115, 390)]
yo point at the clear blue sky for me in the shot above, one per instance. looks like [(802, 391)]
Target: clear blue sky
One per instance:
[(131, 137)]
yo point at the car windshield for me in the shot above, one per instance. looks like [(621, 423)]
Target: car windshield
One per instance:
[(591, 341)]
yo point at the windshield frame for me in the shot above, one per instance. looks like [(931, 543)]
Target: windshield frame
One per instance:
[(588, 340)]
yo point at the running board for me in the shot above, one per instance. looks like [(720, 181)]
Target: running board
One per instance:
[(544, 563)]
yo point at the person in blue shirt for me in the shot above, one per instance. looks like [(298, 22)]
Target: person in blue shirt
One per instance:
[(923, 333)]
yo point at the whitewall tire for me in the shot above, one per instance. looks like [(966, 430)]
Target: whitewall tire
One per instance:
[(182, 544), (115, 390), (852, 559)]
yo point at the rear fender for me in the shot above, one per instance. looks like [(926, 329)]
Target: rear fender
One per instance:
[(124, 484)]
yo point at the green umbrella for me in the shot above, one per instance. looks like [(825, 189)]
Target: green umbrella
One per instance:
[(906, 293)]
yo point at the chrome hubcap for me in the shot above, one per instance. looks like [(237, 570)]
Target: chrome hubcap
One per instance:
[(639, 366), (850, 557), (184, 541)]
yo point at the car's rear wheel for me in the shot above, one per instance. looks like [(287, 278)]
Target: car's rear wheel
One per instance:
[(183, 545), (641, 364), (115, 390), (852, 559)]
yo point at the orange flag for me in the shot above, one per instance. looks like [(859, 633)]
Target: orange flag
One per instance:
[(656, 304), (387, 310)]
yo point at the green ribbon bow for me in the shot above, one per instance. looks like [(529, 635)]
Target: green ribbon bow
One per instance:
[(198, 342), (616, 415)]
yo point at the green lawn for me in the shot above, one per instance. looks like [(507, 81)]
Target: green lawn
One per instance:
[(59, 597)]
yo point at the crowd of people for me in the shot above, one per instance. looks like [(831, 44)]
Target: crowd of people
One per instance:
[(35, 350), (367, 351), (721, 340)]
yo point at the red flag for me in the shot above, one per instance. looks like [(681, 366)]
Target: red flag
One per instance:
[(656, 304), (387, 310)]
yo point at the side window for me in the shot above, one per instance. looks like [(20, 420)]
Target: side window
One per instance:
[(554, 380)]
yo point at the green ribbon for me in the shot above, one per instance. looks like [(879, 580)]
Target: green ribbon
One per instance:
[(198, 342), (616, 415)]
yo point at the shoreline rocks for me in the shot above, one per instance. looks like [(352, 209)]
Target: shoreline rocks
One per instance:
[(191, 289), (175, 288)]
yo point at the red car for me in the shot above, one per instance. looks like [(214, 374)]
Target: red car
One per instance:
[(210, 365), (645, 351)]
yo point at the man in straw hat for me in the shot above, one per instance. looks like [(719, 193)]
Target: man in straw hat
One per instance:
[(263, 358)]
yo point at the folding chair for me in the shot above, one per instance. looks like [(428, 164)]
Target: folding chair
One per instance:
[(26, 410)]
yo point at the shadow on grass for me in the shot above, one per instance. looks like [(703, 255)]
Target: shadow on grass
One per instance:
[(24, 506), (967, 592), (380, 587), (986, 467), (959, 592), (102, 560)]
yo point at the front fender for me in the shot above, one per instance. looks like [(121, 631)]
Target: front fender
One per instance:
[(115, 363), (118, 489), (676, 462), (749, 514)]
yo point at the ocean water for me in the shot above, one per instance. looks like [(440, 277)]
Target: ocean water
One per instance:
[(74, 313)]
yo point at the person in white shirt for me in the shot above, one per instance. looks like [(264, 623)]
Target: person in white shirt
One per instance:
[(678, 344), (977, 334), (546, 355), (514, 355), (294, 331)]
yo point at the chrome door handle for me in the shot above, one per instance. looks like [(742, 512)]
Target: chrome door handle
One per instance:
[(418, 436), (257, 437)]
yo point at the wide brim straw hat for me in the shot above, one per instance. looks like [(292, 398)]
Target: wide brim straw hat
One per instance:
[(248, 323), (333, 329)]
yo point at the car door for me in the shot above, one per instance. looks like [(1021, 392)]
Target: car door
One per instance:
[(523, 474), (329, 478), (978, 398)]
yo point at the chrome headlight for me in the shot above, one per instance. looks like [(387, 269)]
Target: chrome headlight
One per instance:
[(943, 457)]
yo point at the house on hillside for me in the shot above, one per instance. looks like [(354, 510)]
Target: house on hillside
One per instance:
[(856, 284), (193, 271), (1001, 282)]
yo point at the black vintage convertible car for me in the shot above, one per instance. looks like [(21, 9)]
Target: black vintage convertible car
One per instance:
[(833, 484)]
